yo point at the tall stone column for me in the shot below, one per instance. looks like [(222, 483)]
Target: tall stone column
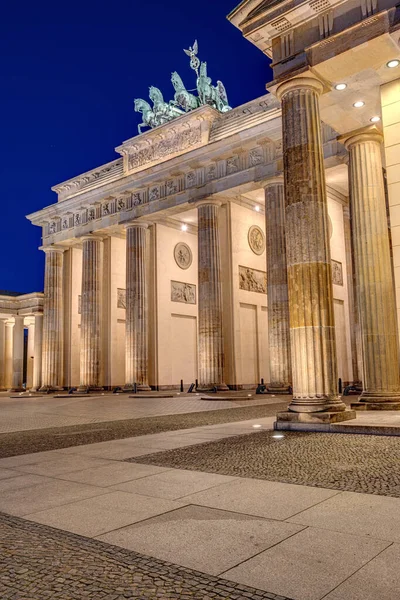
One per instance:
[(211, 342), (374, 277), (18, 354), (37, 353), (312, 326), (2, 354), (30, 358), (278, 302), (90, 356), (137, 344), (8, 355), (53, 320)]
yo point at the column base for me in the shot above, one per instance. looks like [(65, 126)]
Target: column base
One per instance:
[(371, 401), (210, 387), (17, 389), (281, 389), (319, 421), (140, 387), (48, 389), (316, 405), (86, 389)]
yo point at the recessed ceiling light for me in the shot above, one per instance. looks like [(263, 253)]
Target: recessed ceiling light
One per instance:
[(184, 227), (375, 119), (358, 104), (257, 208), (393, 63), (340, 86)]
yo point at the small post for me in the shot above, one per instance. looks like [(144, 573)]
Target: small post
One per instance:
[(181, 385), (340, 385), (262, 381), (135, 388), (197, 383)]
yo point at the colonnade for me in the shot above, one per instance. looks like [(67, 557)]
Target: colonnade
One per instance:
[(300, 294), (12, 352)]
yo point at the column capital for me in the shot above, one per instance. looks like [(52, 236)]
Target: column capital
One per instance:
[(371, 133), (276, 180), (91, 237), (59, 249), (137, 224), (299, 83), (208, 201)]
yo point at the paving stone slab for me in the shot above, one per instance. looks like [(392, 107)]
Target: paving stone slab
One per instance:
[(308, 565), (203, 538), (112, 474)]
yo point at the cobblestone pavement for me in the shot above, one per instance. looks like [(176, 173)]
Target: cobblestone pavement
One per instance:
[(347, 462), (26, 442), (41, 563)]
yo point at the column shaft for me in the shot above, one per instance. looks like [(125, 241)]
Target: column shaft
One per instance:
[(8, 355), (211, 343), (374, 277), (30, 356), (136, 351), (18, 354), (278, 303), (90, 356), (37, 353), (2, 354), (53, 325), (312, 327)]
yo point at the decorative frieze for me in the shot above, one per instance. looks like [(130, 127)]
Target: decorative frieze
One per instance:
[(121, 298), (337, 272), (252, 280), (183, 292)]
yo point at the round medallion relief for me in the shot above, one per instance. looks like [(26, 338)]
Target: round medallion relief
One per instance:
[(256, 239), (183, 255)]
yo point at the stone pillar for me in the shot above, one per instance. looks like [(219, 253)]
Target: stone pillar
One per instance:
[(18, 354), (30, 355), (211, 342), (2, 354), (374, 276), (91, 339), (312, 326), (136, 350), (37, 353), (53, 321), (8, 355), (278, 303)]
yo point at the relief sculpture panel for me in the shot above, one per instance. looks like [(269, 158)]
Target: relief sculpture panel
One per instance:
[(183, 292), (252, 280)]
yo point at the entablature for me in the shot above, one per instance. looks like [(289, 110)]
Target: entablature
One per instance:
[(24, 304)]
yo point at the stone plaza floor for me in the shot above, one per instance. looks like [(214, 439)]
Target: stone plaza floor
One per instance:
[(132, 530)]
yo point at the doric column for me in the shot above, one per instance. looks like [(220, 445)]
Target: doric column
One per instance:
[(2, 354), (278, 303), (30, 358), (37, 353), (374, 277), (18, 354), (211, 342), (312, 326), (8, 355), (53, 322), (90, 356), (136, 350)]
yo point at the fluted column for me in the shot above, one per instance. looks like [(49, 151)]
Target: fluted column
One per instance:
[(8, 355), (37, 353), (312, 326), (18, 354), (211, 342), (53, 321), (2, 354), (136, 350), (30, 358), (374, 277), (90, 355), (277, 288)]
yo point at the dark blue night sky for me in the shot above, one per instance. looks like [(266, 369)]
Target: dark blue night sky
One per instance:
[(69, 74)]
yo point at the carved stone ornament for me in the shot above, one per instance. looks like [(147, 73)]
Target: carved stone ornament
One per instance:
[(183, 255), (252, 280), (79, 304), (337, 272), (121, 298), (256, 239), (183, 292)]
